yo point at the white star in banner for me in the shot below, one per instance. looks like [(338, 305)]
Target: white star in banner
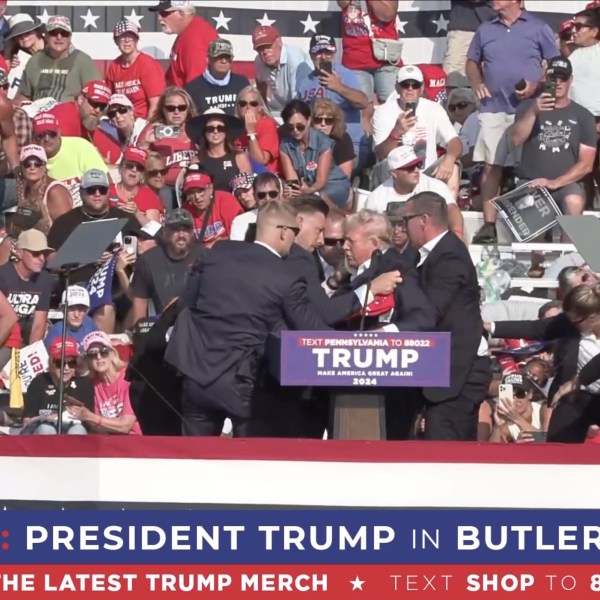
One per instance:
[(221, 21), (400, 25), (310, 25), (135, 18), (90, 19), (265, 21), (357, 584), (44, 17), (441, 23)]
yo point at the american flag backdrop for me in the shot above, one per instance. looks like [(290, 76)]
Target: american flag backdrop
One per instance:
[(423, 23)]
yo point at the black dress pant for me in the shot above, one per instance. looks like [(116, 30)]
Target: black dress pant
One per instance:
[(572, 418)]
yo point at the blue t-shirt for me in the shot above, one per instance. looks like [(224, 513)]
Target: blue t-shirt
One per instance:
[(310, 88), (55, 331)]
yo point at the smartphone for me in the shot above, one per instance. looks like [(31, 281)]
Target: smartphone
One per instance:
[(549, 87), (114, 247), (539, 437), (166, 131), (293, 183), (130, 244), (326, 66), (505, 394), (410, 106)]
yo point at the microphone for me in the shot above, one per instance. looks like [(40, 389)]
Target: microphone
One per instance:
[(373, 267)]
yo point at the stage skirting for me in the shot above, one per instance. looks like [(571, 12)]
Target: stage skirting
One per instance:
[(130, 472)]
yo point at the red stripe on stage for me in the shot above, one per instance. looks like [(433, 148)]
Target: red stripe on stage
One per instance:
[(98, 446)]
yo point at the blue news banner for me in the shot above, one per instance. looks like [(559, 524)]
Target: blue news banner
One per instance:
[(367, 554)]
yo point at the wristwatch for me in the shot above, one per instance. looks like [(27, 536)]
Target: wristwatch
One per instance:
[(252, 136)]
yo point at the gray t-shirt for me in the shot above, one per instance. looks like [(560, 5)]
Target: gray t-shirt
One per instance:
[(553, 146)]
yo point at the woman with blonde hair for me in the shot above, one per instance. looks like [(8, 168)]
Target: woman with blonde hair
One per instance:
[(260, 138), (328, 118), (113, 412), (154, 177)]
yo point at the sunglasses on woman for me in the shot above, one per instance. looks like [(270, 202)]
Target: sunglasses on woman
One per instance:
[(157, 173), (215, 129), (113, 112), (131, 166), (244, 103), (324, 120), (580, 26), (176, 107), (458, 105), (411, 85), (101, 352), (69, 362), (296, 126), (27, 164), (272, 194)]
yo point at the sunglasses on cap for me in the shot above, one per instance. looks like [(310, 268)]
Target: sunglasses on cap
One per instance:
[(215, 129), (411, 85), (96, 352), (458, 105), (176, 107), (270, 194), (157, 173), (44, 134), (332, 242), (244, 103), (32, 162), (296, 126), (69, 362), (133, 166), (294, 230), (324, 120), (97, 105), (113, 112)]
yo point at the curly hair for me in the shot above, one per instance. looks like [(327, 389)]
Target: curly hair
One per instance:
[(35, 202)]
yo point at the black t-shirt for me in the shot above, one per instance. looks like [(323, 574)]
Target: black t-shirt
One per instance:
[(160, 278), (26, 297), (468, 15), (65, 225), (41, 397), (343, 150), (207, 95)]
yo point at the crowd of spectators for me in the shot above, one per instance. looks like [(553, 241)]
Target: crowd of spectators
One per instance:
[(198, 155)]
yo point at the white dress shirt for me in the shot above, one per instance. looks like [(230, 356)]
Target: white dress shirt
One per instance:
[(589, 346)]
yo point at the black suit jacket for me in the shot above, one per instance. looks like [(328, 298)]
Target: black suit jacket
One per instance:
[(449, 279), (302, 264), (241, 292), (557, 328), (413, 311)]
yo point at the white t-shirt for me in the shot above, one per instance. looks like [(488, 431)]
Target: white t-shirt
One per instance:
[(585, 89), (382, 195), (239, 225), (433, 126)]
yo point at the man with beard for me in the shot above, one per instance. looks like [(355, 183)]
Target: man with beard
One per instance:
[(162, 272)]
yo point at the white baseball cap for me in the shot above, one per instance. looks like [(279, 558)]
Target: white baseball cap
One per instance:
[(410, 73), (76, 296), (402, 156)]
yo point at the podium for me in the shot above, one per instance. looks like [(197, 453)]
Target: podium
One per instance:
[(358, 367)]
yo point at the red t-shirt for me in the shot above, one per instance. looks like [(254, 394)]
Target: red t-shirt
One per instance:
[(145, 199), (188, 54), (140, 81), (225, 209), (356, 43), (268, 139), (178, 153)]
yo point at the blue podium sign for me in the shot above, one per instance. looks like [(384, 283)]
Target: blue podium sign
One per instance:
[(347, 359)]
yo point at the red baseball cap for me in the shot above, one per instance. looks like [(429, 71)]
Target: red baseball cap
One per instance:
[(195, 181), (44, 122), (71, 350), (136, 155), (264, 35), (97, 91)]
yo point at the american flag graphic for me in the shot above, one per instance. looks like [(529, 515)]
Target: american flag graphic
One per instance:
[(423, 23)]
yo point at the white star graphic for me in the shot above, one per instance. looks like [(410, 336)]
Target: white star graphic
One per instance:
[(357, 584), (400, 25), (44, 17), (309, 24), (265, 21), (135, 18), (441, 23), (221, 21), (90, 19)]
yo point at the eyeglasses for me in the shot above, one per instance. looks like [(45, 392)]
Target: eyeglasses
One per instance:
[(296, 126), (114, 111), (70, 362), (244, 103), (96, 189), (407, 218), (411, 85), (97, 105), (176, 107), (157, 173), (408, 169), (27, 164), (324, 120), (458, 105), (133, 167), (94, 354), (44, 134), (580, 26), (58, 32), (215, 129), (270, 194), (294, 230), (331, 242)]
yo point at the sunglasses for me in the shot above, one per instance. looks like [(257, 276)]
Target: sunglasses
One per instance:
[(458, 105), (411, 85), (416, 167), (158, 173), (27, 164), (176, 107), (59, 32), (133, 167), (44, 134), (296, 126), (215, 129), (580, 26), (103, 353), (97, 105), (270, 194), (244, 103), (294, 230), (331, 242), (407, 218), (324, 120), (71, 363), (113, 112), (96, 189)]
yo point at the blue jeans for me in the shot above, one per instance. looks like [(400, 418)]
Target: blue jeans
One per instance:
[(68, 428), (378, 83)]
